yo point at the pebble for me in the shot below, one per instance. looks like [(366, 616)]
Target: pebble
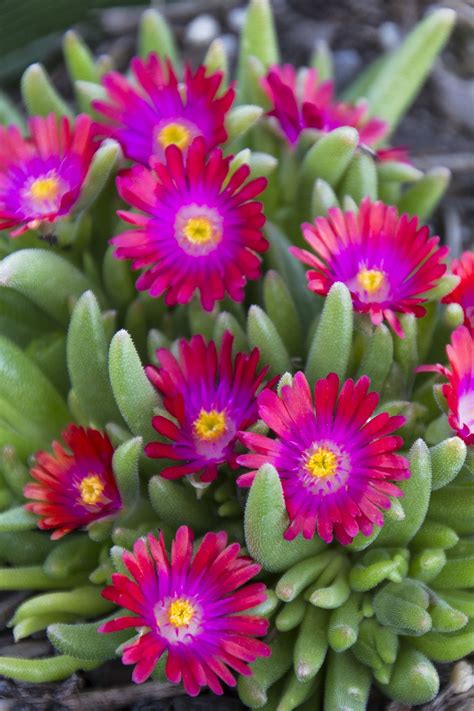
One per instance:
[(462, 677), (230, 43), (347, 63), (389, 35), (236, 19), (202, 30)]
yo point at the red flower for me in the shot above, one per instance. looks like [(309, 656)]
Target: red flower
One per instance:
[(41, 177), (187, 607), (336, 460), (74, 489), (459, 390), (315, 106), (153, 112), (202, 229), (463, 294), (211, 397), (387, 261)]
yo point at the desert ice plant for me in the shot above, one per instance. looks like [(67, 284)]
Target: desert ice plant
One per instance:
[(321, 418)]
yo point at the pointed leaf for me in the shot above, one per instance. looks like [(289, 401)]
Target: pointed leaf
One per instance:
[(266, 520), (330, 353), (134, 394), (87, 356)]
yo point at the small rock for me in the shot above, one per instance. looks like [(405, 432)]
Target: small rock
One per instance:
[(346, 64), (389, 35), (236, 19), (202, 30), (455, 96), (304, 34), (230, 43), (462, 677)]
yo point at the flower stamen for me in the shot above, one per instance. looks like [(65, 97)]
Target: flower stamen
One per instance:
[(210, 425), (322, 463), (180, 613), (371, 280), (91, 488), (174, 134), (199, 230), (44, 189)]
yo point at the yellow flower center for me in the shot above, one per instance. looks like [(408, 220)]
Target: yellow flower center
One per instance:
[(44, 189), (210, 425), (322, 463), (371, 279), (175, 134), (180, 613), (91, 488), (198, 230)]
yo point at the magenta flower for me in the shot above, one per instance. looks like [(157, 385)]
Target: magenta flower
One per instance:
[(41, 177), (187, 607), (463, 294), (154, 112), (212, 398), (387, 262), (335, 459), (315, 106), (200, 232), (74, 488), (395, 153), (459, 390)]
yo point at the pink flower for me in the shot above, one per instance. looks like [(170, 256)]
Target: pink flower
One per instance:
[(187, 607), (335, 458), (459, 390), (315, 106), (74, 488), (387, 261), (202, 230), (155, 111), (41, 177), (463, 294), (212, 397)]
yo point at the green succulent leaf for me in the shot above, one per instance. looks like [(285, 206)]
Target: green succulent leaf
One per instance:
[(38, 671), (176, 504), (253, 690), (87, 353), (423, 197), (399, 78), (134, 394), (84, 639), (266, 521), (50, 281), (39, 95), (263, 334), (416, 499), (327, 354), (79, 59), (258, 40), (347, 683), (154, 35)]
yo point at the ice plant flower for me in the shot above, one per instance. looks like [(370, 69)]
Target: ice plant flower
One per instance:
[(312, 105), (154, 112), (187, 606), (212, 397), (459, 390), (463, 294), (41, 177), (335, 459), (76, 487), (200, 232), (387, 261)]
